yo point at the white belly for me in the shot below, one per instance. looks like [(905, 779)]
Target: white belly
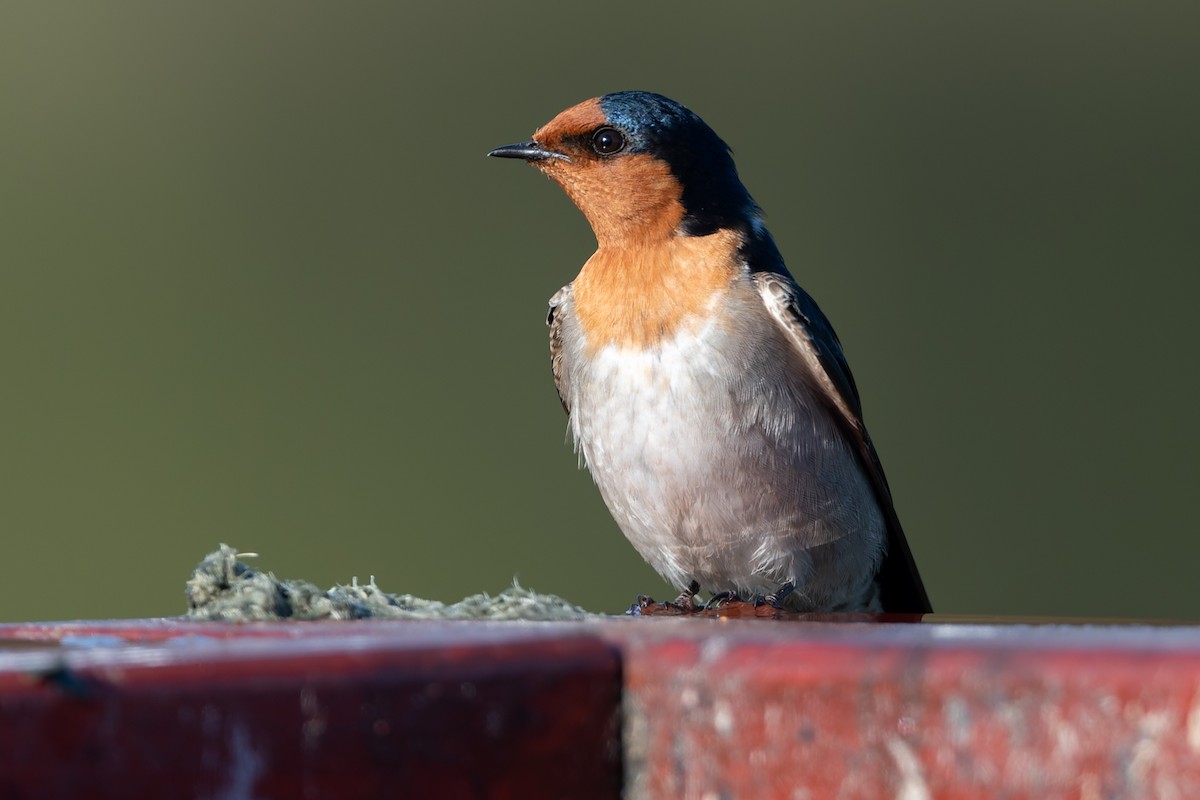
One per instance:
[(719, 465)]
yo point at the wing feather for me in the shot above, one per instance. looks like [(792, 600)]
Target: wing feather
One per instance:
[(814, 339), (554, 320)]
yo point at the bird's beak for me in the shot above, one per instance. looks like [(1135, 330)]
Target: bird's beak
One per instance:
[(527, 151)]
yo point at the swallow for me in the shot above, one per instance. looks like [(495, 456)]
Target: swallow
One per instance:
[(706, 392)]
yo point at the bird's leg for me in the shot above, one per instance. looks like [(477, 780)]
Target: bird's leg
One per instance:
[(775, 599), (687, 598)]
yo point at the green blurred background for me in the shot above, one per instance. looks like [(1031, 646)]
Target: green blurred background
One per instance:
[(259, 285)]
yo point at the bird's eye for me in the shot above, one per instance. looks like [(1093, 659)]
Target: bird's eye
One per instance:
[(607, 141)]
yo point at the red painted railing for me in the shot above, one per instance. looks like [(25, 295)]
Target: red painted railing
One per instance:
[(654, 708)]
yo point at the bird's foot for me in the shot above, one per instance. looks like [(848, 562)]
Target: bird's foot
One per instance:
[(775, 599), (722, 599), (686, 601)]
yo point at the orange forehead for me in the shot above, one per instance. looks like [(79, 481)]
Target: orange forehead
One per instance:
[(629, 197), (576, 120)]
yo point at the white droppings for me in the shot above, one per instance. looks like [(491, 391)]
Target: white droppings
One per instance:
[(1066, 737), (723, 719), (1193, 724), (1151, 728), (957, 715), (912, 782)]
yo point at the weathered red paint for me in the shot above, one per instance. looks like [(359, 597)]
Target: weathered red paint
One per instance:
[(711, 707), (399, 711), (913, 712)]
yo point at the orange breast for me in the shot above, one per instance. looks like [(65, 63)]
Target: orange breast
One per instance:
[(636, 296)]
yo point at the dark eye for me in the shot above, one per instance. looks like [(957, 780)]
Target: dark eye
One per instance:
[(607, 141)]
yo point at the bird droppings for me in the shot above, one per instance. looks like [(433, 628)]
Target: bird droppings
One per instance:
[(912, 782), (222, 588), (1193, 725)]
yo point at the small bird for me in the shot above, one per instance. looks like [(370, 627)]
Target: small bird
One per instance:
[(706, 391)]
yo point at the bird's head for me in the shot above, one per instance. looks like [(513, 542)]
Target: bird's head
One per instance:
[(640, 167)]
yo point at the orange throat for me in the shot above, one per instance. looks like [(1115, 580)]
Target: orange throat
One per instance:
[(645, 282), (634, 295)]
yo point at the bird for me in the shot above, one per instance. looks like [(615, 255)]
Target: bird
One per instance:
[(706, 392)]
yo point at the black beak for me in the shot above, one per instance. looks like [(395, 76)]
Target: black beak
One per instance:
[(527, 151)]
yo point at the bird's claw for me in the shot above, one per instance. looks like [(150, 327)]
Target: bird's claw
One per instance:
[(775, 599), (722, 598)]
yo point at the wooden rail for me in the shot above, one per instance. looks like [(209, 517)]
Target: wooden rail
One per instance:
[(641, 708)]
